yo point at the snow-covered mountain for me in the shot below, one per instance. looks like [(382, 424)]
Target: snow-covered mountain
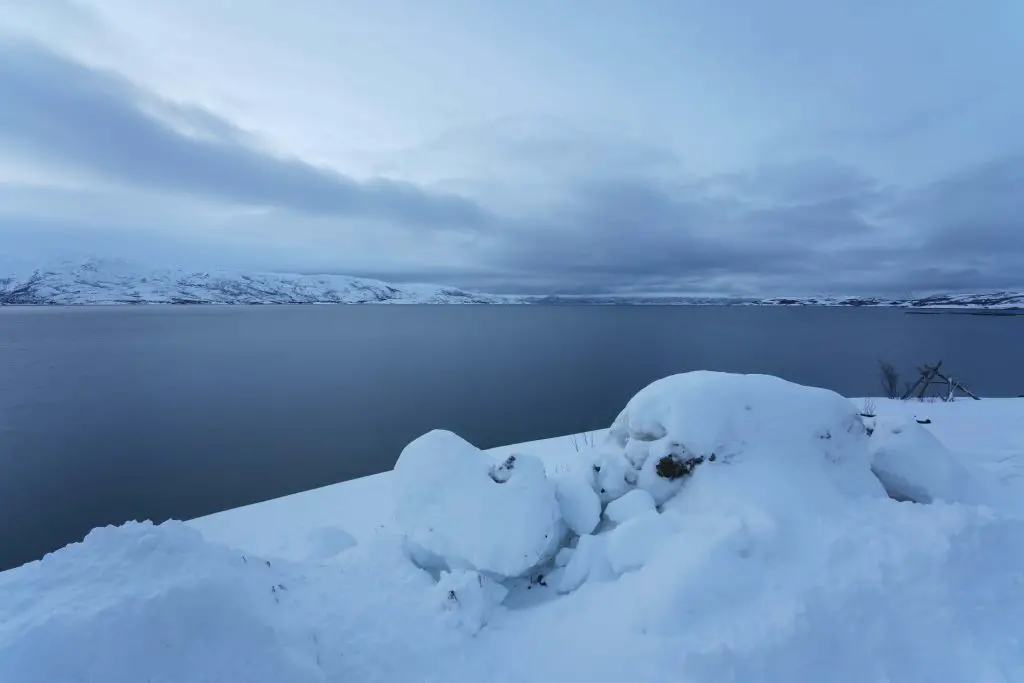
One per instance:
[(990, 300), (107, 281), (996, 300), (98, 281)]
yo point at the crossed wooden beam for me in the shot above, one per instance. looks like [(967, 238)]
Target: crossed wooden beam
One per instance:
[(930, 376)]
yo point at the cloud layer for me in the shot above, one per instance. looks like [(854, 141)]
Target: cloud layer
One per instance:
[(61, 111), (534, 202)]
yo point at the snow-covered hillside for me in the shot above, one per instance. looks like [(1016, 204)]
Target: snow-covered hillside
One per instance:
[(725, 528), (107, 281), (114, 282), (991, 300)]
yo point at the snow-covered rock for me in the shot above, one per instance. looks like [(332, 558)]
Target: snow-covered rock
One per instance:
[(589, 562), (469, 598), (613, 475), (913, 465), (456, 503), (631, 544), (750, 441), (633, 504), (580, 505), (146, 603), (564, 556)]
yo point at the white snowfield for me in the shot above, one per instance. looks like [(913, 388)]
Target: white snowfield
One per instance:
[(725, 528)]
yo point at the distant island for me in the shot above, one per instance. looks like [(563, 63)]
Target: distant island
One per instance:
[(111, 282)]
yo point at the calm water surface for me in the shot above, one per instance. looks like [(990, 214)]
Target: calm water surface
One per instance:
[(133, 413)]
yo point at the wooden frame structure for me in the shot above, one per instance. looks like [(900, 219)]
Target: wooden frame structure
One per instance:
[(930, 376)]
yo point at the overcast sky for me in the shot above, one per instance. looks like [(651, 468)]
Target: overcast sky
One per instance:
[(690, 146)]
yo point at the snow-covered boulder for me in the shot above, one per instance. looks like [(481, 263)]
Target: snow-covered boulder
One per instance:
[(455, 503), (631, 544), (915, 466), (469, 598), (147, 603), (588, 562), (744, 441), (579, 503), (613, 474), (633, 504)]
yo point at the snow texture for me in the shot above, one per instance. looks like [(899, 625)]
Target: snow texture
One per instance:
[(469, 598), (631, 544), (589, 562), (613, 475), (454, 502), (144, 603), (580, 505), (913, 465), (633, 504)]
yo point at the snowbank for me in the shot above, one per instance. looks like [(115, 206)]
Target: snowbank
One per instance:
[(914, 466), (633, 504), (145, 603), (457, 504)]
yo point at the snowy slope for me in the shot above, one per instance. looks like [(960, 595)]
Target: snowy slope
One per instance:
[(780, 559), (115, 282)]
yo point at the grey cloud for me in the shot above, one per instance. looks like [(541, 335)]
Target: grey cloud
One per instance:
[(530, 151), (847, 234), (611, 218), (649, 235), (64, 112), (977, 211)]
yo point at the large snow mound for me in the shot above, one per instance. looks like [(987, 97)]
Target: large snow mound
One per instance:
[(915, 466), (754, 441), (145, 603), (875, 591), (457, 504)]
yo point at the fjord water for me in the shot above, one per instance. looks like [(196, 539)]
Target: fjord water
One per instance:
[(110, 414)]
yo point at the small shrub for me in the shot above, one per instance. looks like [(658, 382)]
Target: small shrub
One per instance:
[(890, 379), (583, 441), (868, 408)]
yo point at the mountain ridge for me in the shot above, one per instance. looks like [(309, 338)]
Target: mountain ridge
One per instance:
[(110, 282)]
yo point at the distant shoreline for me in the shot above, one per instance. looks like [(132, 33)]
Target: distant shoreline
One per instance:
[(910, 310), (966, 311)]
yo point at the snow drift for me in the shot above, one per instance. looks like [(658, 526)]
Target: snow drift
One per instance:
[(914, 466), (145, 603)]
